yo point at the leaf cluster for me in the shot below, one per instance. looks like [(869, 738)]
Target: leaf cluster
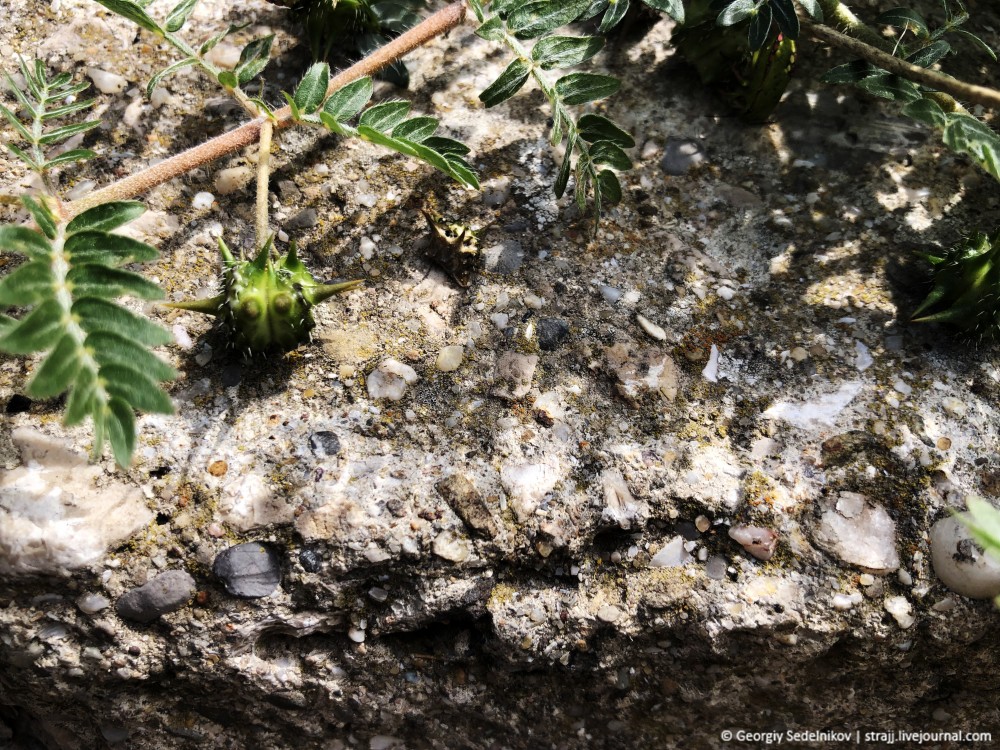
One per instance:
[(960, 131), (765, 19), (595, 142), (96, 349), (386, 124), (42, 102)]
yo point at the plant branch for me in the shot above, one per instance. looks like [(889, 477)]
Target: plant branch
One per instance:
[(141, 182), (263, 175), (958, 89)]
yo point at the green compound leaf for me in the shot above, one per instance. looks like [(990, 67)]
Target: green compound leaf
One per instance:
[(346, 102), (598, 128), (24, 241), (905, 18), (446, 146), (67, 131), (111, 348), (892, 87), (673, 8), (133, 12), (926, 111), (562, 179), (109, 249), (616, 12), (82, 397), (492, 30), (253, 59), (106, 216), (967, 135), (100, 315), (385, 116), (59, 369), (608, 154), (212, 42), (508, 84), (38, 331), (759, 31), (67, 157), (136, 388), (95, 280), (179, 15), (311, 91), (927, 56), (580, 88), (609, 186), (504, 8), (784, 16), (416, 129), (736, 11), (120, 421), (28, 284), (160, 75), (537, 18), (67, 109), (42, 215), (977, 42), (565, 51)]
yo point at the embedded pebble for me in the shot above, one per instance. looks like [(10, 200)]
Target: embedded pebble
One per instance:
[(715, 568), (504, 258), (167, 592), (960, 562), (250, 570), (954, 407), (611, 294), (106, 82), (452, 547), (230, 180), (356, 634), (304, 219), (500, 320), (80, 189), (514, 374), (390, 379), (671, 555), (450, 358), (901, 609), (91, 603), (702, 524), (551, 332), (609, 613), (859, 533), (367, 248), (378, 593), (202, 201), (680, 155), (324, 444), (726, 293), (862, 357), (653, 330), (759, 542), (711, 371), (310, 560)]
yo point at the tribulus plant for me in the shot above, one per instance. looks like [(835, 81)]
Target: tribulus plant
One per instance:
[(966, 288)]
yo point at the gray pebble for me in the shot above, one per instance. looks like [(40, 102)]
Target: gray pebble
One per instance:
[(310, 560), (504, 258), (551, 332), (304, 219), (250, 570), (680, 155), (231, 375), (324, 444), (715, 568), (167, 592)]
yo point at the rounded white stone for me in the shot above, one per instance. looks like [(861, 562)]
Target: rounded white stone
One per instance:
[(960, 562), (107, 83), (230, 180), (450, 358)]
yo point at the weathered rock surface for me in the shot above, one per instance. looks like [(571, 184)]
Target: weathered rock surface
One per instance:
[(532, 549)]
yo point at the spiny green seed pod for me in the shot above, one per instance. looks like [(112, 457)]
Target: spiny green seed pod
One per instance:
[(966, 289), (266, 304)]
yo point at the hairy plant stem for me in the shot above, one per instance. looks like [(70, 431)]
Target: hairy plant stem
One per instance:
[(263, 175), (952, 87), (141, 182)]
